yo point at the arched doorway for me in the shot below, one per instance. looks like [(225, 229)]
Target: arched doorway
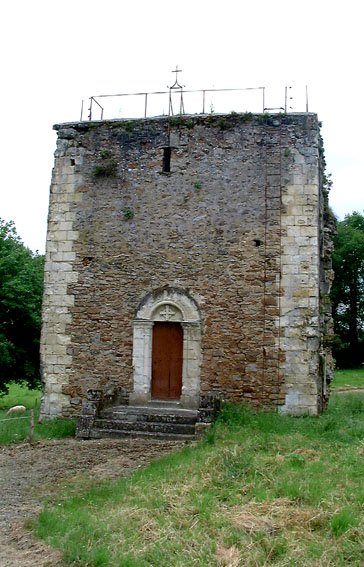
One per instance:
[(167, 349)]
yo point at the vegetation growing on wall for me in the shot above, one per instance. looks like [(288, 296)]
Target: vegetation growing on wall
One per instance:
[(107, 169)]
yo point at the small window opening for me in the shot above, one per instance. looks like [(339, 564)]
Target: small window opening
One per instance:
[(87, 260), (167, 159), (73, 162)]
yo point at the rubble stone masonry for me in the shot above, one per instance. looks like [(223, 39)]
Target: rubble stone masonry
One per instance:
[(237, 226)]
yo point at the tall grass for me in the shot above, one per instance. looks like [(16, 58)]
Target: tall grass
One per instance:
[(262, 489), (13, 429)]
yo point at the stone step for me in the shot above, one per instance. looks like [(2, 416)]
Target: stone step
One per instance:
[(159, 422), (165, 404), (150, 415), (156, 410), (145, 426)]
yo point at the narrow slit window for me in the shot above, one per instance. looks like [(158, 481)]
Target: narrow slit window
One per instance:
[(167, 160)]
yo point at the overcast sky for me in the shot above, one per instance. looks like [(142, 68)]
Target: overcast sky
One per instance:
[(54, 54)]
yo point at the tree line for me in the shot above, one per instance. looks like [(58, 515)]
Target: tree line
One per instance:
[(347, 293), (21, 289)]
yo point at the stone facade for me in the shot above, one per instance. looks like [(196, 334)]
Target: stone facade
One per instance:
[(233, 242)]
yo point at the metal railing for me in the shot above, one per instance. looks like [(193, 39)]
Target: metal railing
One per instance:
[(201, 101)]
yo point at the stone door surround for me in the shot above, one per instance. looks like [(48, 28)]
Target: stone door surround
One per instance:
[(167, 305)]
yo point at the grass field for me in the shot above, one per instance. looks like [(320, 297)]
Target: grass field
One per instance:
[(262, 489), (19, 394), (348, 378), (13, 429)]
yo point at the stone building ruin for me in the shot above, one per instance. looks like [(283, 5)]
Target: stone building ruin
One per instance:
[(188, 258)]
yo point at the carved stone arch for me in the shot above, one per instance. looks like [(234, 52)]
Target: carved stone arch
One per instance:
[(175, 306), (168, 295)]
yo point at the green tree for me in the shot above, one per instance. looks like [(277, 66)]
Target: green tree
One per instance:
[(21, 288), (347, 292)]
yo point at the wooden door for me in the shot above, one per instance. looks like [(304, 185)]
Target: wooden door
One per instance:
[(167, 361)]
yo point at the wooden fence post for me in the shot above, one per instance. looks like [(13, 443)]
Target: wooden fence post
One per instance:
[(31, 436)]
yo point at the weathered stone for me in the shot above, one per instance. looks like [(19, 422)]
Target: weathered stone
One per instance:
[(201, 429), (231, 240)]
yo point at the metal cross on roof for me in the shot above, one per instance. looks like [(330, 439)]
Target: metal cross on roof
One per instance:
[(176, 84)]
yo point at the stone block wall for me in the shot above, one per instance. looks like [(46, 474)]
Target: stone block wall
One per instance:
[(236, 225)]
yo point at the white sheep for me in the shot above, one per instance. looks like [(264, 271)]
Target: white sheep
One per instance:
[(16, 409)]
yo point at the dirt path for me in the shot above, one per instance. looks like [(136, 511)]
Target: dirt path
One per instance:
[(347, 390), (28, 474)]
